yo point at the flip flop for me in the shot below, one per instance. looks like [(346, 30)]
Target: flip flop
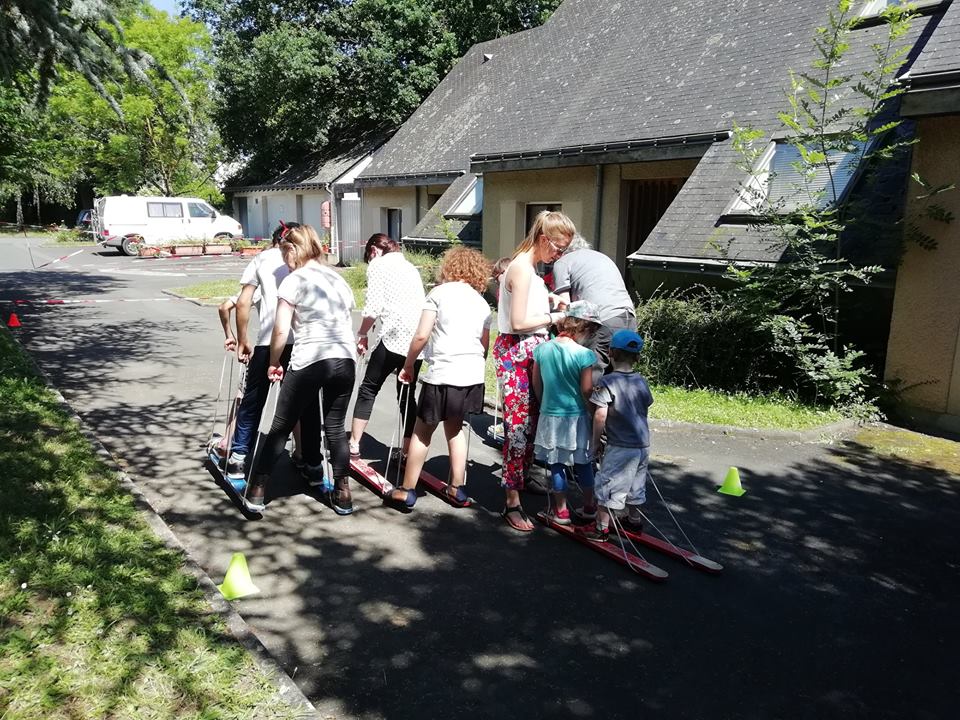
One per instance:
[(517, 509)]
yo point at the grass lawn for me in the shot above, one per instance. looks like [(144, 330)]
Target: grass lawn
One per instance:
[(705, 406), (213, 291), (97, 617)]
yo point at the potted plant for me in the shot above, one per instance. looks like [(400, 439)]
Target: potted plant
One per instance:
[(188, 246), (148, 250), (220, 245), (246, 246)]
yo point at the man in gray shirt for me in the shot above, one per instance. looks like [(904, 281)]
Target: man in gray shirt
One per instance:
[(585, 274)]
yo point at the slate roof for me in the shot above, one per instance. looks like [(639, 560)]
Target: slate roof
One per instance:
[(432, 228), (315, 172), (941, 53)]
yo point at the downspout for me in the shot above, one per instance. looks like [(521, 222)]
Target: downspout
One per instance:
[(597, 223)]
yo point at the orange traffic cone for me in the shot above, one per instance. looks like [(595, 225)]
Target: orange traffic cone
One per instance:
[(14, 321)]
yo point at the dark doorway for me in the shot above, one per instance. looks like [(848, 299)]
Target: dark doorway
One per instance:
[(645, 202)]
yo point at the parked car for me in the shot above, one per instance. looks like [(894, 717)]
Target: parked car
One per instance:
[(124, 221)]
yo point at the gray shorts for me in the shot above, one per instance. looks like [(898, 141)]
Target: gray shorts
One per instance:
[(623, 477)]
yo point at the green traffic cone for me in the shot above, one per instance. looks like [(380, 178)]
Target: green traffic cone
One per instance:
[(237, 582), (731, 484)]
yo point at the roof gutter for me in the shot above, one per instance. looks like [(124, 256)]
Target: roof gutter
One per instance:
[(284, 186), (662, 148), (400, 179)]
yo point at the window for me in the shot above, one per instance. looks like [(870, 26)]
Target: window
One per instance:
[(200, 210), (471, 202), (164, 209), (872, 8), (394, 224), (534, 209), (779, 182)]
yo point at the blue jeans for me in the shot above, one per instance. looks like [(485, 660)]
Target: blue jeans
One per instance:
[(254, 397), (558, 476)]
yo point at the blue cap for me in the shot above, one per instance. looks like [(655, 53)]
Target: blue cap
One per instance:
[(626, 340)]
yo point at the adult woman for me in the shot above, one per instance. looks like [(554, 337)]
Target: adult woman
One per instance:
[(395, 297), (318, 303), (523, 318)]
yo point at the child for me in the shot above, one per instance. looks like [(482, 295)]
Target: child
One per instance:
[(622, 399), (456, 322), (563, 380)]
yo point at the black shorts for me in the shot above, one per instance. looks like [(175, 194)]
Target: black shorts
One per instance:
[(446, 402)]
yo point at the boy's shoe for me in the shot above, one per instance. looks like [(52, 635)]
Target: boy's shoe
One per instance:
[(313, 474), (236, 466), (586, 514), (238, 484), (594, 533), (560, 517), (634, 525)]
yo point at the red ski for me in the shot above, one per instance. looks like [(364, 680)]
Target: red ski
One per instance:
[(370, 477), (439, 488), (611, 550), (697, 561)]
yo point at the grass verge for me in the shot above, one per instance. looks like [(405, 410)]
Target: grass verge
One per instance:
[(97, 616), (210, 290)]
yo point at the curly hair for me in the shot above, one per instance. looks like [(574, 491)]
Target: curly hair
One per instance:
[(465, 265), (578, 327), (301, 245)]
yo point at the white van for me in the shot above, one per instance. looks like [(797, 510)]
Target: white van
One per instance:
[(122, 221)]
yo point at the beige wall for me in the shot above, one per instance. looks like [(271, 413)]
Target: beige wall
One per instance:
[(506, 195), (376, 200), (923, 346)]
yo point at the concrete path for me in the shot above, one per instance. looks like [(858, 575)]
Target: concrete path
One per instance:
[(837, 601)]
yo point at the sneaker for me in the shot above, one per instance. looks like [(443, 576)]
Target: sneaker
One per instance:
[(535, 484), (633, 524), (586, 514), (238, 484), (594, 533), (255, 500), (495, 432), (236, 466), (313, 474), (560, 517)]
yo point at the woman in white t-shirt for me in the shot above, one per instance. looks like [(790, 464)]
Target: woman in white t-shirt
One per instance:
[(317, 302), (394, 297), (523, 319), (456, 323)]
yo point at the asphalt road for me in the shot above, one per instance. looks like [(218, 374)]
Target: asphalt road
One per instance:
[(838, 598)]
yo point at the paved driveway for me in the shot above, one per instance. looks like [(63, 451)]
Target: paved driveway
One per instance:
[(838, 599)]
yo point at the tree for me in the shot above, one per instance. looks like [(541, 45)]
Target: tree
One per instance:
[(295, 76), (839, 125), (40, 37)]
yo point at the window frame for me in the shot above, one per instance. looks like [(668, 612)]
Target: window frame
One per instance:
[(873, 8)]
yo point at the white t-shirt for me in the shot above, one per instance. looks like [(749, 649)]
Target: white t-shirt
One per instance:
[(322, 303), (265, 272), (454, 354), (395, 296)]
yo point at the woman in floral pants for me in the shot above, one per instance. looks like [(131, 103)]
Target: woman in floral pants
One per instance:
[(523, 318)]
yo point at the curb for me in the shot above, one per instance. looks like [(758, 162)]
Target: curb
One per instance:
[(213, 302), (237, 626)]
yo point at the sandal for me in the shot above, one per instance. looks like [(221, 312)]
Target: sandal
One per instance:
[(459, 495), (516, 510), (407, 500)]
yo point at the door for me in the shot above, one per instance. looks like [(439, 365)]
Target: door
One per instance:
[(394, 224), (348, 229), (645, 203), (201, 219), (242, 217), (165, 221)]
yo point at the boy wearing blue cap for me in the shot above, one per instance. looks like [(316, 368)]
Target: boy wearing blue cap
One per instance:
[(621, 400)]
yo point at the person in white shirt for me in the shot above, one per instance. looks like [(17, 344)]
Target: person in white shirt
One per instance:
[(262, 276), (456, 323), (394, 297), (317, 302)]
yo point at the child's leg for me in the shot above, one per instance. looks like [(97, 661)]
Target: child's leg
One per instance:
[(417, 456), (585, 478), (637, 494), (457, 447), (558, 485)]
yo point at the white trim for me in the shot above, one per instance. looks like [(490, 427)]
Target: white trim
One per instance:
[(677, 260)]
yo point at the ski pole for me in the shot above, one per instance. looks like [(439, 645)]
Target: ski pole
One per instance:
[(324, 446), (266, 420)]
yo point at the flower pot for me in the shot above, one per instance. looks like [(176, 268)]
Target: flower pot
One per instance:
[(188, 249), (149, 250), (216, 249), (245, 251)]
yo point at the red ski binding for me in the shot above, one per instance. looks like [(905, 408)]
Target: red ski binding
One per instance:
[(611, 550)]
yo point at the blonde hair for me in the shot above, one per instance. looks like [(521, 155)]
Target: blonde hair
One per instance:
[(547, 223), (467, 266), (303, 245)]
